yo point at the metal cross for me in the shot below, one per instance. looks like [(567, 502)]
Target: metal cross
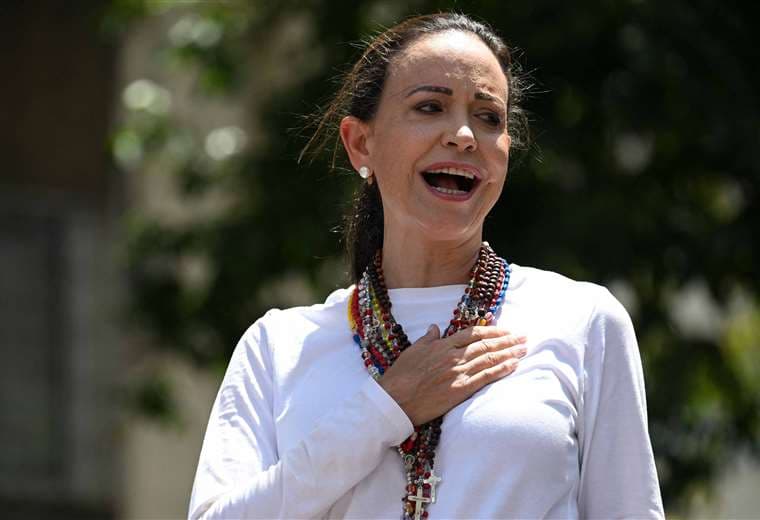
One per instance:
[(433, 480), (419, 499)]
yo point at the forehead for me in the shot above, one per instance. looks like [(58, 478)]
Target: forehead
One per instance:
[(445, 57)]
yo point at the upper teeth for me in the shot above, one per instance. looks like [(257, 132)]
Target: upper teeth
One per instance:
[(454, 171)]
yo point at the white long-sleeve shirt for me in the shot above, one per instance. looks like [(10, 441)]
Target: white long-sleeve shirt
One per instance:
[(300, 430)]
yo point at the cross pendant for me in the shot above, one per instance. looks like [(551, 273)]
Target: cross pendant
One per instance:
[(419, 499), (432, 480)]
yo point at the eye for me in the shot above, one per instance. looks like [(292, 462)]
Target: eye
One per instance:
[(428, 107), (491, 118)]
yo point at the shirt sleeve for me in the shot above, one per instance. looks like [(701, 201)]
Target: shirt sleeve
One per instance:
[(240, 472), (618, 474)]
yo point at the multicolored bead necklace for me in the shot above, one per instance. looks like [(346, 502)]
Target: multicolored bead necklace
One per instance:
[(382, 340)]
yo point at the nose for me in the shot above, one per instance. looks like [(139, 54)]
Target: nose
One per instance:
[(463, 139)]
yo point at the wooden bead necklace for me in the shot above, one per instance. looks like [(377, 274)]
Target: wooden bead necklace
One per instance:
[(382, 340)]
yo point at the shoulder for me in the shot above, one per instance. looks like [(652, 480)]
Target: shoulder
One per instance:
[(280, 334), (335, 302), (300, 320), (563, 294), (534, 279), (588, 315)]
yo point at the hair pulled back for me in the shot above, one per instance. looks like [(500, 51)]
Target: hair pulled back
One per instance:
[(359, 96)]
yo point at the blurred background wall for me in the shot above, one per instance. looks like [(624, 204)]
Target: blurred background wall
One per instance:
[(151, 208), (60, 287)]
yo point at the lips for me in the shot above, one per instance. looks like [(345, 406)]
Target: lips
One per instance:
[(451, 180)]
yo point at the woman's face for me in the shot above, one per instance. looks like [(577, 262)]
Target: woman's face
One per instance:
[(438, 144)]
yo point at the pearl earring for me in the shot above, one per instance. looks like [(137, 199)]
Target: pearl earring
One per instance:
[(364, 172)]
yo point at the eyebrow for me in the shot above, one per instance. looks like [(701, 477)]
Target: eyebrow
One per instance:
[(431, 88), (487, 97), (445, 90)]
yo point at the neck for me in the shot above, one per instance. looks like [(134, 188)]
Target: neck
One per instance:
[(410, 261)]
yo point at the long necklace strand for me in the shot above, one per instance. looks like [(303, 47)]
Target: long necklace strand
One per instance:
[(382, 340)]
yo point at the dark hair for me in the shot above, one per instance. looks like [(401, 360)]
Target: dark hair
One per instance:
[(359, 96)]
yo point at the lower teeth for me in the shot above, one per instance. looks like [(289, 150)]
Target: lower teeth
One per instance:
[(448, 191)]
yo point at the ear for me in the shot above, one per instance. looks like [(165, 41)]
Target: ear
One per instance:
[(354, 133)]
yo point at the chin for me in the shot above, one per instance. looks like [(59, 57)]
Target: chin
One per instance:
[(446, 229)]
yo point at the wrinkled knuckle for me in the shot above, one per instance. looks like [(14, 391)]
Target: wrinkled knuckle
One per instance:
[(460, 383), (457, 369), (478, 333), (491, 372), (505, 341)]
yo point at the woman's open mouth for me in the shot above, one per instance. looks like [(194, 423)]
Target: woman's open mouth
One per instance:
[(450, 181)]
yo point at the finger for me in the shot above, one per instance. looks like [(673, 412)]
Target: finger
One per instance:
[(484, 346), (493, 358), (470, 335), (491, 374), (433, 333)]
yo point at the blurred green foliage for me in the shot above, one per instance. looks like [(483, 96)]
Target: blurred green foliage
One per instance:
[(643, 175)]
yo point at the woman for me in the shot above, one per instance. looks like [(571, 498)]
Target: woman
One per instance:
[(529, 404)]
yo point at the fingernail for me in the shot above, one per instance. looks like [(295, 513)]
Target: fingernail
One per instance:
[(521, 351)]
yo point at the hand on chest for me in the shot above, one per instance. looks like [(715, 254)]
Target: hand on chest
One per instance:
[(533, 408)]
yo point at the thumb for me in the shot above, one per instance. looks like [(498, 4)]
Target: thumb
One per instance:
[(432, 332)]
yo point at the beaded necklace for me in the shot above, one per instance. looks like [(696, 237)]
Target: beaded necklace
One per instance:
[(381, 340)]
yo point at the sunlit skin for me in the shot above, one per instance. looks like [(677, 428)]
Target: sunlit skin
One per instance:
[(444, 101)]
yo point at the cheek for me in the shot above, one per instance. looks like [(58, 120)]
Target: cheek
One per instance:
[(498, 157), (397, 151), (503, 144), (498, 153), (409, 142)]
